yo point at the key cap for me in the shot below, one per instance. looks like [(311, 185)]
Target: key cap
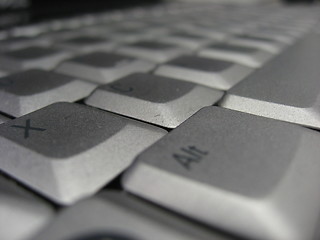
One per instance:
[(263, 43), (275, 92), (27, 91), (131, 34), (248, 56), (102, 67), (153, 51), (209, 72), (185, 39), (206, 31), (118, 216), (273, 35), (86, 44), (20, 42), (250, 176), (54, 36), (159, 100), (22, 214), (68, 151), (31, 57)]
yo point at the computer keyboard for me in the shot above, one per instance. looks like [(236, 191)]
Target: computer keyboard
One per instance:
[(191, 121)]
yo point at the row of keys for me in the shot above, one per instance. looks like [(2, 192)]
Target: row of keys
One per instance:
[(209, 72), (69, 148), (263, 178), (48, 58)]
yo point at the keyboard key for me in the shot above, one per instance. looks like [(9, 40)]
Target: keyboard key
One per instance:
[(68, 151), (130, 35), (20, 42), (206, 31), (209, 72), (273, 35), (263, 43), (31, 57), (250, 176), (102, 67), (248, 56), (159, 100), (22, 213), (86, 44), (118, 216), (275, 92), (185, 39), (153, 51), (27, 91), (55, 36)]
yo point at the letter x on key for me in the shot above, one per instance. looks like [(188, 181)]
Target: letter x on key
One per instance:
[(27, 128)]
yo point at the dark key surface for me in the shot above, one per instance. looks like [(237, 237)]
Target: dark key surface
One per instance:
[(30, 90), (199, 63), (155, 99), (233, 48), (32, 81), (30, 53), (102, 59), (32, 57), (149, 87), (62, 130), (84, 41), (103, 67), (151, 45), (209, 72)]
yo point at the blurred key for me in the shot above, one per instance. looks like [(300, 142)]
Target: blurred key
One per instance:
[(263, 43), (68, 151), (248, 56), (153, 51), (102, 67), (31, 57), (27, 91), (20, 42), (206, 31), (273, 35), (209, 72), (250, 176), (287, 88), (22, 214), (185, 39), (86, 44), (118, 216), (3, 73), (159, 100), (3, 119), (130, 35)]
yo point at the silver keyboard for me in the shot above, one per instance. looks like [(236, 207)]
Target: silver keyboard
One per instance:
[(180, 121)]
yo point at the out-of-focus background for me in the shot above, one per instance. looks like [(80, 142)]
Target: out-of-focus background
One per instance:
[(13, 12)]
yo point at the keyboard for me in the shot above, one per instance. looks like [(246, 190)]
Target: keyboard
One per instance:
[(180, 121)]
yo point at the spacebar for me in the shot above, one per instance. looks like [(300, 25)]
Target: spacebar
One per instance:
[(287, 88)]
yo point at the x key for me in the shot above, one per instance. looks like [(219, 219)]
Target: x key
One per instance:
[(27, 128)]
